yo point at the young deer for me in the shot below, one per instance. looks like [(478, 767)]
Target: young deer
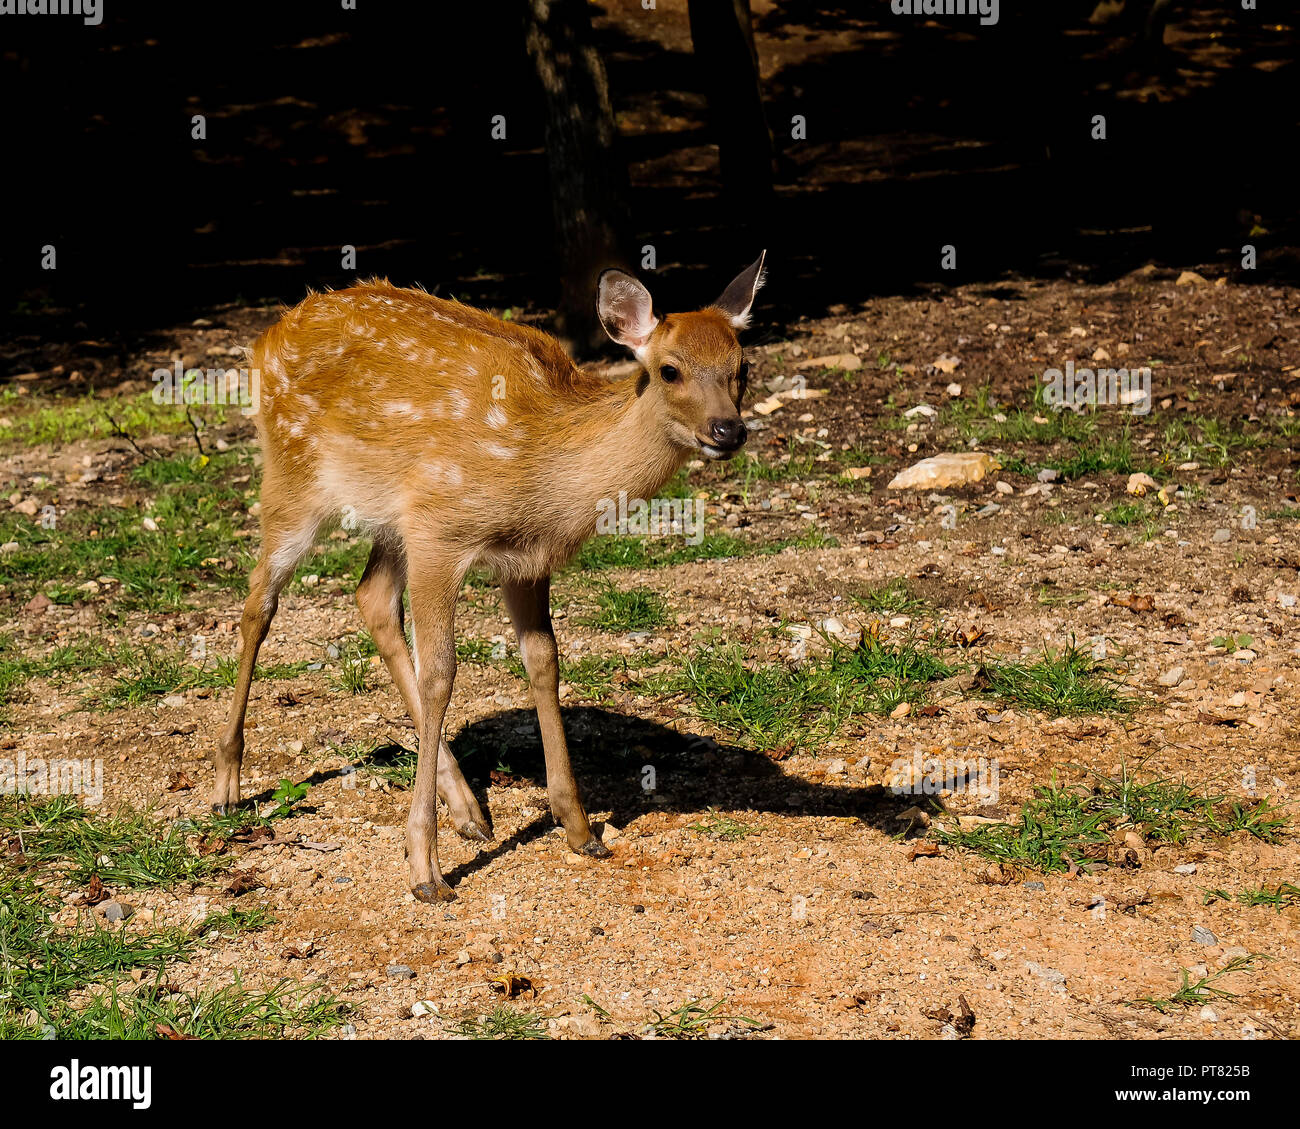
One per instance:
[(460, 439)]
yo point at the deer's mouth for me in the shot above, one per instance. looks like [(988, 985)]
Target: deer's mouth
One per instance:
[(718, 450)]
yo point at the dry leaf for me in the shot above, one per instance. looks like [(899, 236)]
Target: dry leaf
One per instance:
[(179, 782), (510, 985), (242, 881)]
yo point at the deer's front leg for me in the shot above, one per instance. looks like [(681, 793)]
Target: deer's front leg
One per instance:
[(530, 611), (433, 608)]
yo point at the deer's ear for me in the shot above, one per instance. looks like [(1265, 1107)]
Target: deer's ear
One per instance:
[(626, 309), (737, 299)]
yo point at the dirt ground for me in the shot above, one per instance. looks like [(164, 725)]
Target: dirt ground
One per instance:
[(820, 918)]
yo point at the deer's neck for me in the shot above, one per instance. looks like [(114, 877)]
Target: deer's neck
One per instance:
[(626, 446), (612, 444)]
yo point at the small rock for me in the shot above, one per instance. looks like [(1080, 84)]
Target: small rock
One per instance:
[(1035, 886), (150, 525), (400, 972), (422, 1008), (1171, 677), (114, 910), (1221, 535), (311, 580), (9, 547), (1185, 868), (1190, 278), (837, 767), (1003, 487), (1050, 978), (953, 390), (1140, 484), (175, 701), (1208, 1015), (1047, 474), (1203, 936), (901, 710)]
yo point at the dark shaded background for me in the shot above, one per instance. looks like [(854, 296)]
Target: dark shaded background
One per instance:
[(371, 127)]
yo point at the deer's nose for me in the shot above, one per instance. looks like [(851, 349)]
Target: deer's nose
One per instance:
[(728, 433)]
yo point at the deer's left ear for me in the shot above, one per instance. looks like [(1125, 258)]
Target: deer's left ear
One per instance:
[(737, 299)]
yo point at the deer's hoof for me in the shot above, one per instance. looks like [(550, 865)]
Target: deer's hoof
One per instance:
[(474, 831), (220, 809), (433, 892), (594, 848)]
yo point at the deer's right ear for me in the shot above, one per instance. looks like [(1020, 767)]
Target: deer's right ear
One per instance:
[(626, 310)]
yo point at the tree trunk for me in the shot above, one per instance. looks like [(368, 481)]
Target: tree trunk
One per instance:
[(727, 64), (587, 182)]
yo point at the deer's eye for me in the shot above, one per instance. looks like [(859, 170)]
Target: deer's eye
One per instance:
[(742, 377), (669, 373)]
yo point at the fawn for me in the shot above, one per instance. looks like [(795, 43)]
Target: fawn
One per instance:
[(460, 439)]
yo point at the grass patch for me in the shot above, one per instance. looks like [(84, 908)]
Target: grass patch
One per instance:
[(1061, 826), (73, 981), (126, 848), (198, 511), (1284, 895), (716, 825), (1063, 683), (501, 1023), (894, 598), (594, 677), (633, 609), (767, 706), (775, 706), (1196, 992), (693, 1019)]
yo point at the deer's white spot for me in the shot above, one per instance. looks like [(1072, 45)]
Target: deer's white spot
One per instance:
[(443, 474), (459, 404), (499, 451), (496, 417)]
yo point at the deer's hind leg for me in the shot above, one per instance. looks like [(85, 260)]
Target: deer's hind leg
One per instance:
[(283, 547), (379, 596), (528, 602)]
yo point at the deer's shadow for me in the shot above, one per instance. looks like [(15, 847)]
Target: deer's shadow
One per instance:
[(628, 767)]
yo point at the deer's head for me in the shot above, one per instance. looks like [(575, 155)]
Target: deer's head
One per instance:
[(694, 363)]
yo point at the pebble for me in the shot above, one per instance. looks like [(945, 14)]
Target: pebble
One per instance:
[(1035, 886), (1208, 1015), (1050, 978), (421, 1008), (1222, 535), (399, 971), (115, 910), (1172, 677), (1185, 868), (1203, 936)]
